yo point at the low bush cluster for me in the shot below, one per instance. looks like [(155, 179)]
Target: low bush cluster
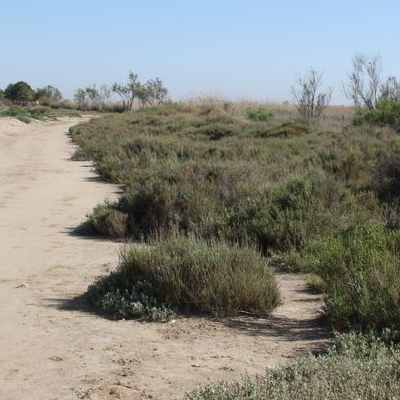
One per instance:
[(186, 274), (386, 112)]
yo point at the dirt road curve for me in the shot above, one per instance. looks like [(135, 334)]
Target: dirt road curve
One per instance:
[(52, 349)]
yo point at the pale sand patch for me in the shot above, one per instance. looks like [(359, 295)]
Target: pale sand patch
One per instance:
[(52, 349)]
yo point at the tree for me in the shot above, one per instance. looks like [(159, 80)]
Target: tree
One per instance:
[(104, 95), (364, 81), (128, 92), (81, 98), (19, 93), (92, 96), (152, 92), (311, 102), (48, 95)]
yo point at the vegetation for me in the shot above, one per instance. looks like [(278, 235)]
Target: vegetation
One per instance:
[(310, 101), (365, 87), (19, 93), (186, 274), (25, 114), (360, 270), (386, 112), (224, 194), (48, 95), (93, 97), (355, 367), (152, 92), (320, 199)]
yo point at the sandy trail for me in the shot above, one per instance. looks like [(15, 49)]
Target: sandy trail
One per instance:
[(51, 349)]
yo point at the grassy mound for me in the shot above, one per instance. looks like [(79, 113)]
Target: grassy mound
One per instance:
[(184, 275)]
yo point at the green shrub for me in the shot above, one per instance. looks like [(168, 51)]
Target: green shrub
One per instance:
[(386, 112), (360, 269), (258, 114), (354, 368), (187, 275)]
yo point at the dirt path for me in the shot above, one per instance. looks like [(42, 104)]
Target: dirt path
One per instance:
[(49, 349)]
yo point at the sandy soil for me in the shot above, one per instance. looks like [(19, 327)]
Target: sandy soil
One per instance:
[(51, 348)]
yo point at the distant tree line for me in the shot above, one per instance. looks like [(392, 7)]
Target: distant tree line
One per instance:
[(151, 92), (365, 88), (21, 93)]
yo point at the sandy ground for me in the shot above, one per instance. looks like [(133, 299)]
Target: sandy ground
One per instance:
[(51, 348)]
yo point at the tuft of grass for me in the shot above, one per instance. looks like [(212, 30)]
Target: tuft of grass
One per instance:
[(186, 274), (355, 367)]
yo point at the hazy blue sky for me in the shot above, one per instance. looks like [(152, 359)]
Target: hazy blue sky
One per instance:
[(236, 49)]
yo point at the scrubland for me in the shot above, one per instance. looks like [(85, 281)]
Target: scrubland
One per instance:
[(225, 194)]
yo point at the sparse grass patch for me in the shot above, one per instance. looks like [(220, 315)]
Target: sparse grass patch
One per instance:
[(185, 274)]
